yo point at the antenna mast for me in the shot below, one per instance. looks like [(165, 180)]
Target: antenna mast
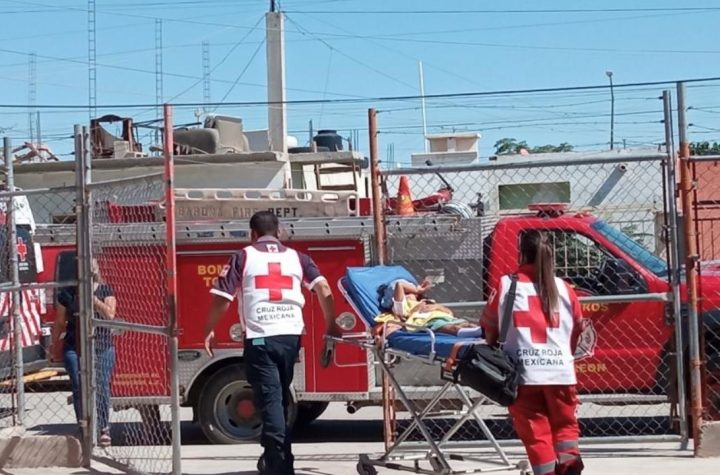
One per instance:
[(158, 74), (32, 95), (92, 59)]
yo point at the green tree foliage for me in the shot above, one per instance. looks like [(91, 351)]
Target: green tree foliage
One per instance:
[(509, 146), (705, 148)]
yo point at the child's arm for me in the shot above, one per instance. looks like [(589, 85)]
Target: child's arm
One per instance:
[(404, 287)]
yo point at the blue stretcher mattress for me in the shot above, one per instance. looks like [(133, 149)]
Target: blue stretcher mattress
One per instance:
[(363, 286)]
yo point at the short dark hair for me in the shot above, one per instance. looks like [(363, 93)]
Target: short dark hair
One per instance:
[(264, 223)]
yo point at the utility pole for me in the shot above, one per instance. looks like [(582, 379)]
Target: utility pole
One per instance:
[(92, 59), (612, 110), (275, 50)]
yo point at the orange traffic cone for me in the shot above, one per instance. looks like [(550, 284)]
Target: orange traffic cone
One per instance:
[(404, 199)]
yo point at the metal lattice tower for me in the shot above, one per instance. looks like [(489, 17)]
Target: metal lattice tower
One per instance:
[(206, 73), (92, 59), (158, 73), (32, 95)]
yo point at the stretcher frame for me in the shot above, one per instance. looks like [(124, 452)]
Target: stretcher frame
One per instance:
[(386, 358)]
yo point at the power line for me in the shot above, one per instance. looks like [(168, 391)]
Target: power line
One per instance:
[(177, 75), (304, 31), (535, 47), (242, 73), (349, 35), (522, 12), (414, 97)]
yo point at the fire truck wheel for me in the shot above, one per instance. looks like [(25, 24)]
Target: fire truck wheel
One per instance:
[(308, 411), (226, 410)]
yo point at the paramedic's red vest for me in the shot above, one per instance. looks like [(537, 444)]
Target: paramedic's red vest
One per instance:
[(272, 298), (540, 348)]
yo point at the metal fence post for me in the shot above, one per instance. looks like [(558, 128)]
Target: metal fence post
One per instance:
[(686, 193), (674, 273), (171, 266), (376, 193), (12, 243), (380, 258), (82, 179)]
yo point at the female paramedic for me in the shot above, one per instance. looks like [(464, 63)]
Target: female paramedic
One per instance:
[(541, 340)]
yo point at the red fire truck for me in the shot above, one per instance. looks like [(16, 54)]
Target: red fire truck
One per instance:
[(626, 348)]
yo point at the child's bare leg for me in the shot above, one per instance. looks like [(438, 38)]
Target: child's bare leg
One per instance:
[(465, 329), (451, 329)]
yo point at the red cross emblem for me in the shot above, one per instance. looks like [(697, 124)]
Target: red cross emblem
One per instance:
[(22, 249), (274, 282), (535, 320)]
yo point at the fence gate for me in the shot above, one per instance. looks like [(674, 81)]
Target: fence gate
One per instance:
[(611, 245), (30, 404), (128, 254)]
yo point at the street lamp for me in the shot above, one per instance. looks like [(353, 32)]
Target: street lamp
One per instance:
[(612, 110)]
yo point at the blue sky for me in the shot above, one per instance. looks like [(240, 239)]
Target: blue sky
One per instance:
[(334, 51)]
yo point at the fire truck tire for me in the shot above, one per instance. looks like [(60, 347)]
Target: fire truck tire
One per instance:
[(308, 411), (226, 410)]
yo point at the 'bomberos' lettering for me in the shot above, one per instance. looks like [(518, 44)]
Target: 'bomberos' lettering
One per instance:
[(210, 272), (595, 307)]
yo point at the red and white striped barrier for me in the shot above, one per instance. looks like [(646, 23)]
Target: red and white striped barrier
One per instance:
[(31, 306)]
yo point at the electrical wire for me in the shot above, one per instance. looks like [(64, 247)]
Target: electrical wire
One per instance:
[(242, 73), (380, 99), (304, 31), (507, 11)]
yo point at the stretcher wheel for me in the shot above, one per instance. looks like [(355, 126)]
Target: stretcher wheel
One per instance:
[(365, 469)]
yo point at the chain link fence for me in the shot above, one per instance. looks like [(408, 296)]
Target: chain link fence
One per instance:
[(128, 264), (605, 216), (132, 368), (35, 396), (706, 223), (86, 322)]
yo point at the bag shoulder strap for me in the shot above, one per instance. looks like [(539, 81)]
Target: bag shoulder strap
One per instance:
[(508, 309)]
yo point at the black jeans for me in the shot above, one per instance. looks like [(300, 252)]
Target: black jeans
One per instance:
[(269, 363)]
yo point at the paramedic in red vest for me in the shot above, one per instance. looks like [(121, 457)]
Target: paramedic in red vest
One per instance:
[(541, 339), (269, 276)]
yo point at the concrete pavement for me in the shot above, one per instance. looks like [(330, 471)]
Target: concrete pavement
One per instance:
[(341, 458), (332, 445)]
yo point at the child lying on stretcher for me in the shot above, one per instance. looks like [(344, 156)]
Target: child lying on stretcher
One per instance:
[(406, 302)]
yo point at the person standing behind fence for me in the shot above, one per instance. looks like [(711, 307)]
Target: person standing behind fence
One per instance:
[(67, 322), (270, 277), (541, 339)]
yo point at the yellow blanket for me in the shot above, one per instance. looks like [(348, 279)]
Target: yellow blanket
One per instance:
[(417, 319)]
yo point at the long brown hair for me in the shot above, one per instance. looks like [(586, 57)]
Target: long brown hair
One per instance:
[(536, 249)]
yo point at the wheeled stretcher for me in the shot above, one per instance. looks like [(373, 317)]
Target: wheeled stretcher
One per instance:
[(361, 286)]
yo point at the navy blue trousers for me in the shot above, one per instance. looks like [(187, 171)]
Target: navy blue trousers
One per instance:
[(269, 363)]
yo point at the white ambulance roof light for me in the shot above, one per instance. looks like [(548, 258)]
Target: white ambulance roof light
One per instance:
[(551, 210)]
